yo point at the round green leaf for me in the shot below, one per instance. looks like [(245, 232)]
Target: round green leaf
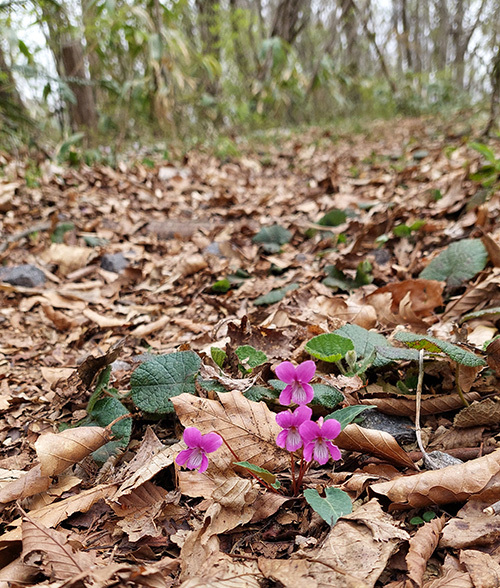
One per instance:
[(329, 347), (154, 382), (460, 261)]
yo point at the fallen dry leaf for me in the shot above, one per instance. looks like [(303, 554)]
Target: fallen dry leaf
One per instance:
[(378, 443), (248, 427), (422, 546), (58, 451), (451, 484), (53, 551)]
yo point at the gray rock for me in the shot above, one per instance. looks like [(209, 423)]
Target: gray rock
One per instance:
[(214, 249), (401, 428), (26, 275), (114, 262)]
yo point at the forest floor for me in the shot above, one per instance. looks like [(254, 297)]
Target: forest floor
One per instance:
[(130, 264)]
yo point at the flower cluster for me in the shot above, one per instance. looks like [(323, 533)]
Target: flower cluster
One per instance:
[(298, 428)]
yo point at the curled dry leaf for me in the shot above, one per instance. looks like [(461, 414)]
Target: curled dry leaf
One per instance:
[(452, 484), (422, 546), (405, 407), (378, 443), (58, 451), (486, 412), (422, 295), (59, 559), (27, 485), (53, 514), (493, 356)]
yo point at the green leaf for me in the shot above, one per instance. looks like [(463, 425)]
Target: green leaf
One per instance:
[(258, 393), (336, 504), (346, 415), (460, 261), (250, 356), (396, 353), (328, 347), (434, 345), (365, 342), (277, 384), (326, 396), (94, 241), (221, 286), (402, 231), (105, 411), (428, 516), (274, 234), (275, 295), (218, 355), (336, 278), (154, 382), (417, 521), (211, 385), (363, 276), (58, 235), (333, 218), (485, 151), (420, 154), (479, 313), (266, 475), (101, 385)]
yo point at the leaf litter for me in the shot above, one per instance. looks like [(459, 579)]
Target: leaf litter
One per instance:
[(347, 236)]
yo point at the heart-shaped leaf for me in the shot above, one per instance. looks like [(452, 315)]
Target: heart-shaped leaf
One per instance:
[(154, 382), (336, 504)]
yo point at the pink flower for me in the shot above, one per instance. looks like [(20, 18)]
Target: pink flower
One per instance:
[(317, 439), (198, 447), (298, 389), (289, 421)]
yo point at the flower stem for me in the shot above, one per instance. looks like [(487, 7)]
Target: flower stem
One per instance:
[(304, 466), (294, 488)]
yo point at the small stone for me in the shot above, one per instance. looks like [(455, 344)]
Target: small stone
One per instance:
[(214, 249), (401, 428), (382, 256), (26, 275), (118, 365), (114, 262)]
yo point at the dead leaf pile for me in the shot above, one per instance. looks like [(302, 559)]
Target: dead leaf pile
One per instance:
[(100, 265)]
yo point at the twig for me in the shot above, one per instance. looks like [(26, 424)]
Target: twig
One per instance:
[(18, 236), (420, 385)]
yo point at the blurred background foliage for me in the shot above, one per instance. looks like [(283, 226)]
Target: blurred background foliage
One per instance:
[(115, 72)]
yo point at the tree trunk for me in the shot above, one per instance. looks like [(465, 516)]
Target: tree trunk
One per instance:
[(289, 20), (13, 113), (67, 50), (495, 94), (208, 23), (442, 35), (83, 113), (406, 35)]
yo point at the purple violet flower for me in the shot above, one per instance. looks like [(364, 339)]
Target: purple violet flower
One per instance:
[(298, 389), (198, 447), (289, 421), (317, 440)]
